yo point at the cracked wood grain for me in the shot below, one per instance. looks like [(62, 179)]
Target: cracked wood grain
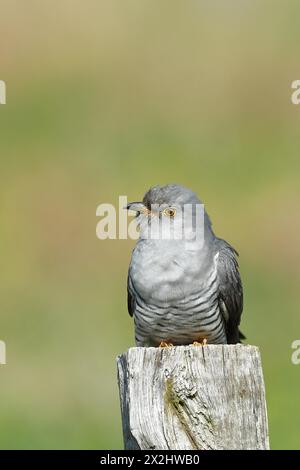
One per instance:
[(193, 397)]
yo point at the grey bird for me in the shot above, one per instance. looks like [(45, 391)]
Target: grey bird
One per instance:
[(181, 289)]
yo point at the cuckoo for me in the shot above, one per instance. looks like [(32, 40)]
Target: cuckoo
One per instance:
[(183, 285)]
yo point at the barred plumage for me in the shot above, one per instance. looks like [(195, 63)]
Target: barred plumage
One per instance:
[(194, 318)]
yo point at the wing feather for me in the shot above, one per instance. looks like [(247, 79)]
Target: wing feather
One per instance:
[(130, 297), (230, 290)]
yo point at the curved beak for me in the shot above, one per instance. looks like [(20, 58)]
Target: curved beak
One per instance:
[(135, 206)]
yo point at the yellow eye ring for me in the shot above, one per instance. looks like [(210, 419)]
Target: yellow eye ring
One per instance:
[(169, 212)]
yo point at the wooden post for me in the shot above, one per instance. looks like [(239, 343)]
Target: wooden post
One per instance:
[(193, 397)]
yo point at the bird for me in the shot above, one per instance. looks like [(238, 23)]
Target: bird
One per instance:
[(181, 289)]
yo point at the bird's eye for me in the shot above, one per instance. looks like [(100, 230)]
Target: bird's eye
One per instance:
[(170, 212)]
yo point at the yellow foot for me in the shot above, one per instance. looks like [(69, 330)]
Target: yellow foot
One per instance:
[(203, 342), (164, 344)]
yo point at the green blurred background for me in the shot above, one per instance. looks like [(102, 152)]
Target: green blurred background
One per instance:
[(107, 98)]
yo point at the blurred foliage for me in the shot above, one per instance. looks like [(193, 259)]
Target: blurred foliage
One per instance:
[(107, 98)]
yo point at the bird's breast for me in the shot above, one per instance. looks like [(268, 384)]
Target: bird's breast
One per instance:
[(176, 297), (166, 273)]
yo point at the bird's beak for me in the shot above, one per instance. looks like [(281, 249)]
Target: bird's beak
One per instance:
[(135, 206)]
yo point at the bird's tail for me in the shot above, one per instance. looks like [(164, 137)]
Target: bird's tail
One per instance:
[(241, 336)]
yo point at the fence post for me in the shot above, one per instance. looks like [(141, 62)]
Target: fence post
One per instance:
[(193, 397)]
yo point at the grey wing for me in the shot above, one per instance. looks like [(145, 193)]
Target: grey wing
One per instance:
[(230, 290), (130, 296)]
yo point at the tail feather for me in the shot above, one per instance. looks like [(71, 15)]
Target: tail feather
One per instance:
[(242, 336)]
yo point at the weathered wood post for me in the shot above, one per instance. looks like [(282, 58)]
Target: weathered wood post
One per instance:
[(193, 397)]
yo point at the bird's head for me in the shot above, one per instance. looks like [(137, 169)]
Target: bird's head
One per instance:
[(169, 212)]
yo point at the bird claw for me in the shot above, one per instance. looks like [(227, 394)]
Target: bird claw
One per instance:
[(202, 342), (165, 344)]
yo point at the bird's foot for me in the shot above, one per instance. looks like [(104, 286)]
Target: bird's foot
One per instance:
[(202, 342), (165, 344)]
